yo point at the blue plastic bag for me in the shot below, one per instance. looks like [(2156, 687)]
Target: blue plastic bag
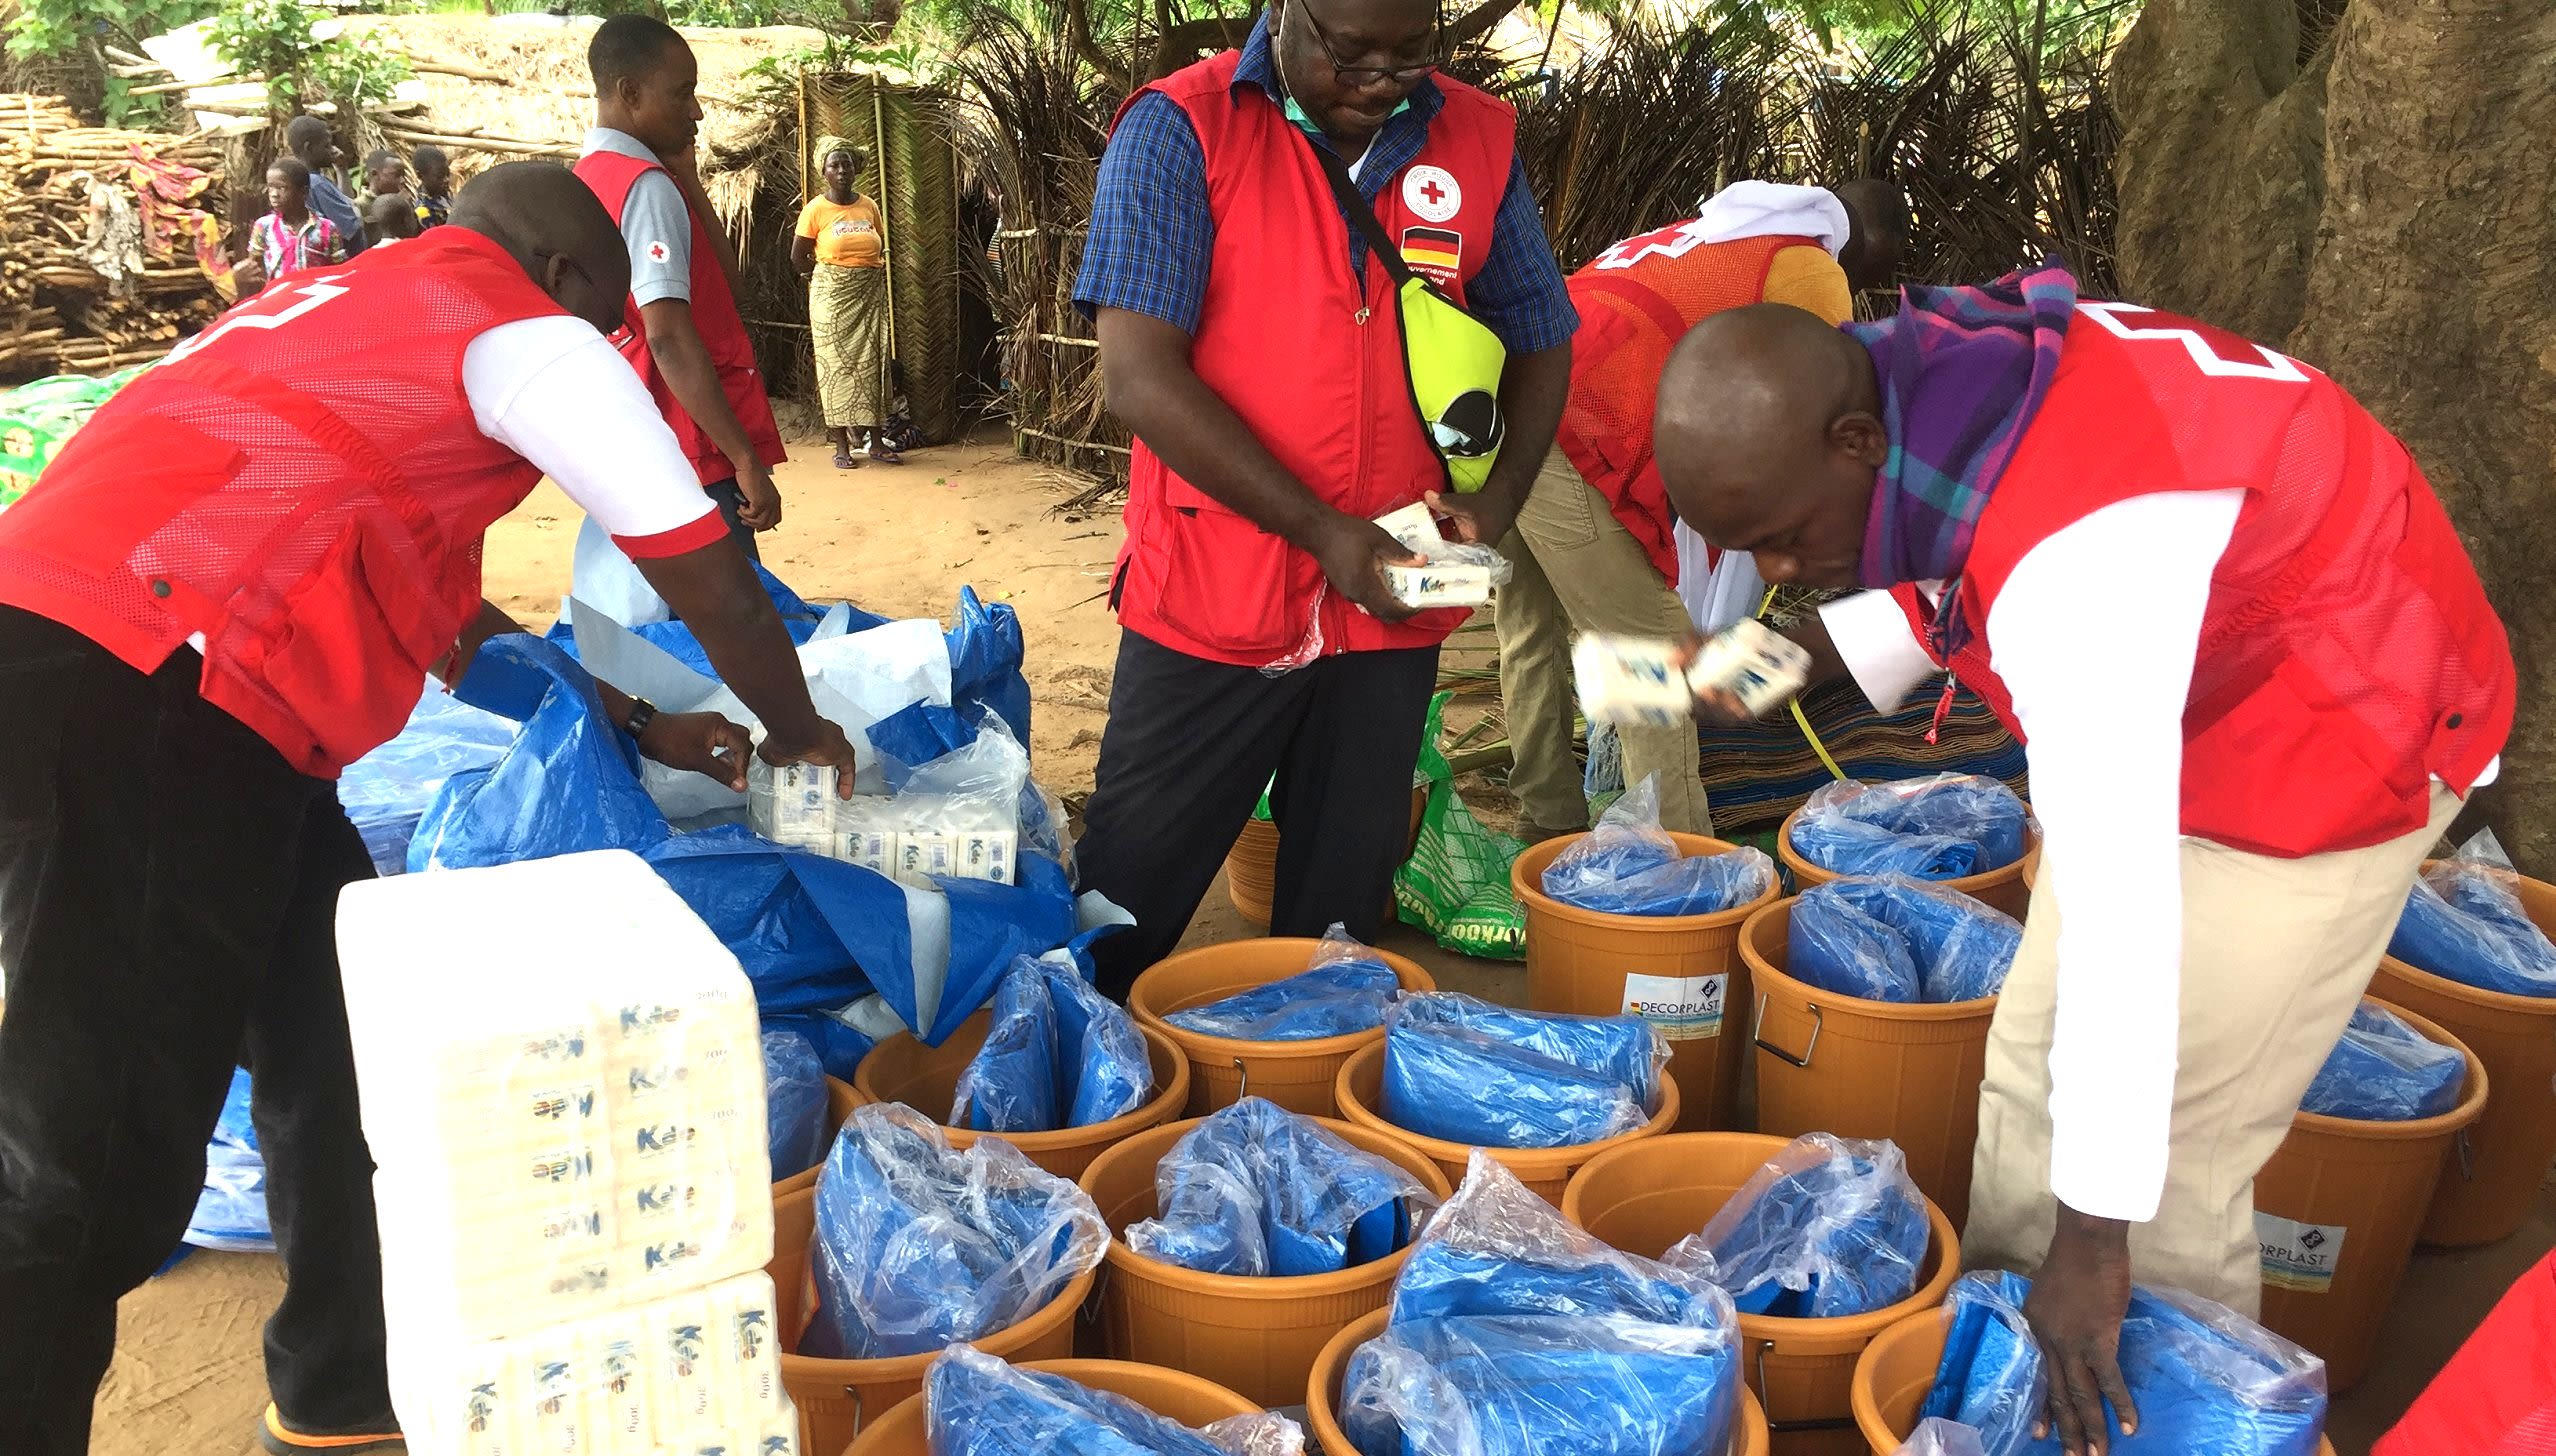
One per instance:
[(1897, 939), (919, 1245), (1628, 865), (2463, 921), (1059, 1055), (795, 1095), (1470, 1072), (1256, 1191), (1514, 1333), (980, 1406), (1940, 828), (387, 791), (230, 1214), (839, 1046), (1828, 1227), (2204, 1378), (2383, 1070), (1346, 991)]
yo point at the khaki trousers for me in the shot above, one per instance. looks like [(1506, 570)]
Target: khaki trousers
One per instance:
[(2276, 954), (1579, 570)]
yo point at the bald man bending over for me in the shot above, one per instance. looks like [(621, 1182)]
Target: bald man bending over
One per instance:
[(2255, 674), (232, 583)]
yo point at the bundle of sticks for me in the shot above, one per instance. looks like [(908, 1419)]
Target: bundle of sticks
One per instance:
[(100, 231)]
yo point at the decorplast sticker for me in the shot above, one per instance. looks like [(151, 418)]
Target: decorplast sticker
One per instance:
[(1684, 1008), (2298, 1256)]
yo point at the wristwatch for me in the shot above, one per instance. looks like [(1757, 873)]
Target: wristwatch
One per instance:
[(642, 713)]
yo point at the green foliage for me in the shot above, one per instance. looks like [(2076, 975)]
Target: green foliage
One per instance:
[(55, 27), (141, 113), (276, 38)]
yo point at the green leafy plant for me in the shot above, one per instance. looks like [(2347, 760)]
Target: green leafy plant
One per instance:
[(57, 27), (276, 38)]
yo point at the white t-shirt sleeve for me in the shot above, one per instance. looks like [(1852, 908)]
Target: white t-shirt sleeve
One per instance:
[(1873, 638), (2094, 635), (554, 391)]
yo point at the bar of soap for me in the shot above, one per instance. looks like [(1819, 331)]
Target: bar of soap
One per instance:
[(1440, 584)]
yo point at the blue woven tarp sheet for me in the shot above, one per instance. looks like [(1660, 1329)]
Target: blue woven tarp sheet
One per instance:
[(1470, 1072), (1256, 1191), (2383, 1070), (1059, 1054), (1628, 865), (1944, 827), (1899, 940), (1828, 1227), (2463, 921), (980, 1406)]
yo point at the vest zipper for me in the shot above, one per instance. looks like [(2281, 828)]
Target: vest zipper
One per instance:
[(1366, 441)]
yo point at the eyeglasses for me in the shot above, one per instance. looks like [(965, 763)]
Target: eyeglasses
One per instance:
[(1369, 75), (545, 254)]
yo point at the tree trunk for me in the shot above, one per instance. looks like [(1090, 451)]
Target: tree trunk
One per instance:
[(2385, 211)]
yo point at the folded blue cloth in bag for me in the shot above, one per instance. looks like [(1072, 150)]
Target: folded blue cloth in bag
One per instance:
[(1601, 1385), (1498, 1249), (1897, 939), (1346, 991), (1828, 1227), (2383, 1070), (919, 1244), (1940, 828), (2205, 1379), (1628, 865), (1467, 1071), (1059, 1055), (980, 1406), (795, 1097), (2464, 922), (1255, 1190)]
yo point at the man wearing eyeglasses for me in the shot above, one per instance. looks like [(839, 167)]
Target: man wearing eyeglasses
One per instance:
[(1250, 342), (233, 582)]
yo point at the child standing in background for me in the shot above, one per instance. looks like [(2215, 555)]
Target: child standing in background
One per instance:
[(434, 186), (292, 237)]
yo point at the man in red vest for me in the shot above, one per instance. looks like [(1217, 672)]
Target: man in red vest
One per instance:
[(230, 584), (1594, 548), (682, 331), (2255, 674), (1249, 341)]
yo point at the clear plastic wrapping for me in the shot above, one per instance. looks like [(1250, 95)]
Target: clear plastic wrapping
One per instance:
[(1936, 1436), (1466, 1071), (1059, 1055), (1941, 828), (1255, 1190), (1628, 865), (1828, 1227), (2464, 921), (795, 1095), (1897, 939), (955, 817), (920, 1245), (981, 1406), (1513, 1332), (1346, 990), (2203, 1377), (2383, 1070)]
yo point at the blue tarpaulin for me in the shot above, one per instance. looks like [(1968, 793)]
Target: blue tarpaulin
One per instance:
[(1628, 865), (2383, 1070), (981, 1406), (2463, 921), (1256, 1191), (1897, 939), (1345, 990), (1940, 828), (794, 1094), (1058, 1055), (230, 1214), (1470, 1072), (1827, 1228)]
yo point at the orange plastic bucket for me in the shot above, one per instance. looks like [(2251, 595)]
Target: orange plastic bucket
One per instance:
[(2500, 1161), (1255, 1336), (840, 1098), (1646, 1197), (2006, 889), (906, 1430), (2354, 1194), (1297, 1075), (836, 1397), (1251, 866), (1679, 972), (1546, 1171), (1322, 1398), (1868, 1069), (1897, 1370), (902, 1069)]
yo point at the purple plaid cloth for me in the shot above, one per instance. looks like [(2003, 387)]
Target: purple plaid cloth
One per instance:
[(1962, 370)]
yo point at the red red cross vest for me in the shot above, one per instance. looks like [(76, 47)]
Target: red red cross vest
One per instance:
[(1310, 358), (1636, 300), (308, 500), (2348, 655), (714, 316)]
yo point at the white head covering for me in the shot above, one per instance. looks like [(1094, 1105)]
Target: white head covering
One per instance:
[(1771, 209)]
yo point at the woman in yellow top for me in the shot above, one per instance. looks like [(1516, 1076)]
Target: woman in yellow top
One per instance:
[(842, 249)]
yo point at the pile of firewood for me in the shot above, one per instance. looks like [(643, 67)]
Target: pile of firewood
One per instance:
[(58, 311)]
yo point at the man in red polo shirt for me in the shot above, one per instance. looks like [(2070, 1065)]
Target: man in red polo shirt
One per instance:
[(230, 584), (682, 331), (2255, 675), (1249, 341)]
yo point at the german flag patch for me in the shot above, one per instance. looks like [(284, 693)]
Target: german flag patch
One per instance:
[(1436, 254)]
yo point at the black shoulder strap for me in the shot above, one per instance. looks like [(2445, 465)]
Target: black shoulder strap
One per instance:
[(1361, 215)]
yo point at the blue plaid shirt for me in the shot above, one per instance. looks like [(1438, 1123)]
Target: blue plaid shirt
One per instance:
[(1152, 233)]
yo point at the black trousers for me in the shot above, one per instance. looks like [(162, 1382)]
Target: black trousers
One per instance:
[(168, 900), (730, 501), (1189, 745)]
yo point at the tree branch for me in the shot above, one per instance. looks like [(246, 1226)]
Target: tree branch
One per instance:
[(1478, 21), (1078, 28)]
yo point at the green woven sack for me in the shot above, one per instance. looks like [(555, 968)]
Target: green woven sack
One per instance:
[(1456, 884)]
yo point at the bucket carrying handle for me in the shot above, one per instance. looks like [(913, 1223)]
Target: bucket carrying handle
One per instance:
[(1244, 1072), (1758, 1034), (2466, 1156), (1815, 1423)]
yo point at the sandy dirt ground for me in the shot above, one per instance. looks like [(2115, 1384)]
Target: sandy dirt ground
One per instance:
[(899, 541)]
